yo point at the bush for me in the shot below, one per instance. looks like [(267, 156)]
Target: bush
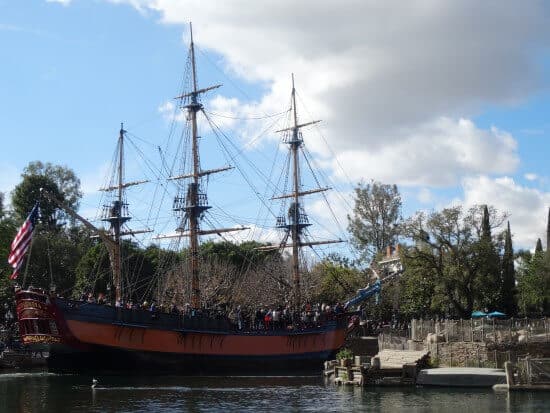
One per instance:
[(344, 354)]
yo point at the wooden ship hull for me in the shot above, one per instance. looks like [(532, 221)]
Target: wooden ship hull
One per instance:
[(81, 335)]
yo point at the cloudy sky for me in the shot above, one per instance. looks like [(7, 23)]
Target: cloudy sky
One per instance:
[(448, 100)]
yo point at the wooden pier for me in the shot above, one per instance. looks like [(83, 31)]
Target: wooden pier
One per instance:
[(387, 368), (528, 374)]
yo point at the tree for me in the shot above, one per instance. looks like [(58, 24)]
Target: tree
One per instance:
[(450, 248), (538, 247), (93, 273), (508, 290), (376, 219), (66, 180), (51, 261), (421, 296), (1, 205), (27, 193), (7, 233), (489, 266), (534, 285), (337, 283)]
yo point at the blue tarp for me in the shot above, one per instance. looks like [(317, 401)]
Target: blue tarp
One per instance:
[(478, 314), (496, 314)]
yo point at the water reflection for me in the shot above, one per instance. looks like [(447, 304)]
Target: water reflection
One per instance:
[(73, 393)]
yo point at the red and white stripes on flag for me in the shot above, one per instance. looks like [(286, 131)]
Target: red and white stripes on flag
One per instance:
[(21, 242)]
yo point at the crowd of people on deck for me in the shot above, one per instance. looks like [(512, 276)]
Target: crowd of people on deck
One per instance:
[(264, 318)]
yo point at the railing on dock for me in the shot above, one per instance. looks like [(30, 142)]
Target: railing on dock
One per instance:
[(533, 371), (521, 330)]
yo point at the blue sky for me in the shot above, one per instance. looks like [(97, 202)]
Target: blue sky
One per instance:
[(448, 100)]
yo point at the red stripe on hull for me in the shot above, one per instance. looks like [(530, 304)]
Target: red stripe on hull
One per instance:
[(163, 341)]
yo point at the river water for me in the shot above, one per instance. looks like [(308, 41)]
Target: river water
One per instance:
[(46, 392)]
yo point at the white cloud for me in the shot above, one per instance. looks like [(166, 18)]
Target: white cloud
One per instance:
[(170, 112), (390, 80), (425, 196), (531, 176), (438, 154), (62, 2), (528, 207)]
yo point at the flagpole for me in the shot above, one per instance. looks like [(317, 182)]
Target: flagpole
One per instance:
[(27, 263)]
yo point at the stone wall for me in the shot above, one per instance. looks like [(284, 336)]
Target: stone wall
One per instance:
[(362, 346), (480, 354), (459, 354)]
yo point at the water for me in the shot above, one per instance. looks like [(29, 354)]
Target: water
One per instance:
[(45, 392)]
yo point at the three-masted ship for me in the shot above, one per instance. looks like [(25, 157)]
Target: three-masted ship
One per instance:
[(82, 334)]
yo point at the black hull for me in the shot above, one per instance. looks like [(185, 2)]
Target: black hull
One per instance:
[(107, 360)]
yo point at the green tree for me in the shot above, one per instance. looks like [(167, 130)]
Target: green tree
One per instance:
[(27, 193), (337, 283), (66, 180), (7, 233), (534, 285), (375, 223), (538, 247), (139, 272), (449, 247), (421, 297), (242, 256), (508, 290), (489, 266)]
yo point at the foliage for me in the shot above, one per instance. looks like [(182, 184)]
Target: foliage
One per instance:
[(344, 354), (27, 193), (336, 283), (241, 255), (538, 247), (386, 306), (66, 180), (7, 232), (489, 266), (376, 218), (508, 289), (450, 254), (433, 362), (534, 285), (421, 295), (53, 257), (94, 275)]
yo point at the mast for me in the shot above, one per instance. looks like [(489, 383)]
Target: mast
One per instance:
[(195, 203), (194, 210), (296, 228), (117, 214), (297, 218)]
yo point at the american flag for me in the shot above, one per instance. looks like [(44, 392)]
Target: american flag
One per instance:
[(21, 242)]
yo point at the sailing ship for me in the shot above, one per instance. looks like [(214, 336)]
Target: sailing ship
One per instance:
[(82, 334)]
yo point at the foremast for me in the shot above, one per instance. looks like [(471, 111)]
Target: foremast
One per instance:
[(116, 214)]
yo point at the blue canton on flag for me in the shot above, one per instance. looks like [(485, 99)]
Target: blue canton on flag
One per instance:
[(21, 242)]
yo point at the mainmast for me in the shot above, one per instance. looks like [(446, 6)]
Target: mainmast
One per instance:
[(297, 225), (194, 208), (195, 202)]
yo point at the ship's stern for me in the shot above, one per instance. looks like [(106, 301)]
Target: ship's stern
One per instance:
[(36, 316)]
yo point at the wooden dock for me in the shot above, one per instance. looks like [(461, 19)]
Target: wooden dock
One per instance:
[(526, 375), (387, 368)]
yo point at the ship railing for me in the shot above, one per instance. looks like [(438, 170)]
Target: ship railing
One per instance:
[(198, 321)]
